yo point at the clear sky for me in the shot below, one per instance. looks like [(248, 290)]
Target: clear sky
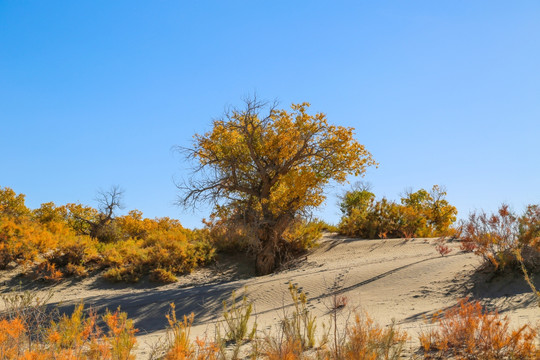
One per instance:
[(95, 93)]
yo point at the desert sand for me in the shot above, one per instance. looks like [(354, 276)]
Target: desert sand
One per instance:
[(401, 280)]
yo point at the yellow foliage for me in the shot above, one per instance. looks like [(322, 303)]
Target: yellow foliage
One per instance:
[(268, 168), (22, 239), (12, 205), (60, 237)]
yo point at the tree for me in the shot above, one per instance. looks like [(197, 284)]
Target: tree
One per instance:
[(104, 227), (99, 224), (267, 165)]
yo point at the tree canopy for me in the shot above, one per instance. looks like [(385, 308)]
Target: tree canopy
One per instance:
[(269, 165)]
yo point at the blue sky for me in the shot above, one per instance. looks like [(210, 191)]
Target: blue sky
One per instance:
[(96, 93)]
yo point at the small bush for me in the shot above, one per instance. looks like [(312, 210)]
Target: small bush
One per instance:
[(301, 324), (129, 274), (12, 340), (162, 276), (75, 270), (22, 240), (442, 248), (32, 311), (75, 252), (498, 237), (281, 348), (367, 340), (48, 272), (179, 345), (467, 331), (236, 319)]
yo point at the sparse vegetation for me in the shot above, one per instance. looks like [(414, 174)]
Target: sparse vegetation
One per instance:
[(442, 248), (29, 331), (466, 331), (367, 340), (179, 345)]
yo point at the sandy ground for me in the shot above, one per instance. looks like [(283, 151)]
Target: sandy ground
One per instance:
[(393, 279)]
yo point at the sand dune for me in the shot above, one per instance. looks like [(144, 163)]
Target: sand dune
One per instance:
[(393, 279)]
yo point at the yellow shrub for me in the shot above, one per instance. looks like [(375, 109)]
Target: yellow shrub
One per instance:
[(23, 240)]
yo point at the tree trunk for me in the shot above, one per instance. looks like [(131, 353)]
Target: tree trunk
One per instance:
[(266, 260)]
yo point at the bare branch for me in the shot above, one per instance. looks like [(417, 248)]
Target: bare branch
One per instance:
[(110, 200)]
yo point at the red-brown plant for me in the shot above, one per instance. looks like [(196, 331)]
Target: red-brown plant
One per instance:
[(499, 236), (467, 331)]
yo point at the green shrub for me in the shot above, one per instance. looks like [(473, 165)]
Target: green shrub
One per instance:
[(420, 214)]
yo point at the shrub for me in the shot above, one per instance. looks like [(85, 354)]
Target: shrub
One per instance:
[(420, 214), (162, 254), (278, 348), (11, 338), (236, 319), (529, 226), (75, 251), (120, 334), (229, 231), (300, 325), (442, 248), (303, 234), (12, 205), (162, 276), (79, 336), (179, 345), (126, 260), (48, 272), (173, 251), (467, 331), (31, 310), (367, 340), (23, 240), (75, 239), (497, 237)]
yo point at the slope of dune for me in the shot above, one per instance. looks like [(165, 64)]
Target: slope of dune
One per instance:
[(399, 280)]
